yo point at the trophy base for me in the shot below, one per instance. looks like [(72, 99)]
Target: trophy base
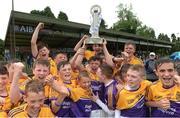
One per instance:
[(94, 40)]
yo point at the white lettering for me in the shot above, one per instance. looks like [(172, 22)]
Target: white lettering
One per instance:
[(168, 112), (22, 28), (88, 108)]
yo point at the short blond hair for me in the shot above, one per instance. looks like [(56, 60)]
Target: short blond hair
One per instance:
[(139, 68)]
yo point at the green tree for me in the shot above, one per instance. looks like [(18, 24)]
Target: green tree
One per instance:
[(46, 12), (176, 42), (62, 16), (128, 21), (178, 38), (103, 24), (173, 38), (163, 37), (176, 46), (37, 12), (146, 32)]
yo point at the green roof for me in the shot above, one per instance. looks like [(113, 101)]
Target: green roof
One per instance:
[(66, 33)]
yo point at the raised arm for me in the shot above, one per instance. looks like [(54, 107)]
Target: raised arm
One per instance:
[(60, 88), (34, 38), (77, 59), (78, 45), (56, 104), (56, 85), (108, 57), (15, 94)]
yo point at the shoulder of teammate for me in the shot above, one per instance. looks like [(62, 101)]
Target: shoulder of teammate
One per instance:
[(16, 110)]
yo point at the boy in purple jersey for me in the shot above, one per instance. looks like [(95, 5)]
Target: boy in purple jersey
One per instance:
[(83, 105), (106, 76), (131, 99), (110, 90), (164, 95), (61, 105)]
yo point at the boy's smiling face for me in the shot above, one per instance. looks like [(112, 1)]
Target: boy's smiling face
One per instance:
[(165, 72), (133, 78), (65, 72), (40, 71), (44, 53), (35, 101), (3, 81), (85, 82)]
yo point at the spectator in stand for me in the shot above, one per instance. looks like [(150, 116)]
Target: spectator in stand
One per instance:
[(150, 67)]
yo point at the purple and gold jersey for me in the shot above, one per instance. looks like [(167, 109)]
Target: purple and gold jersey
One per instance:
[(3, 114), (135, 60), (65, 108), (92, 75), (47, 90), (98, 88), (53, 67), (132, 103), (110, 95), (82, 105), (20, 112), (88, 54), (157, 92), (4, 108)]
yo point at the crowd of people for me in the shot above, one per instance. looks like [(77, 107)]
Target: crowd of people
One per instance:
[(92, 83)]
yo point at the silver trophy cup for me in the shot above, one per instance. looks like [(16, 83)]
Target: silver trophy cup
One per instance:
[(95, 24)]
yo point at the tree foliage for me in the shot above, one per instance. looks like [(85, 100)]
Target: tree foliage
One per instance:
[(163, 37), (128, 21), (46, 12), (146, 32), (173, 38), (176, 42), (62, 16), (103, 24)]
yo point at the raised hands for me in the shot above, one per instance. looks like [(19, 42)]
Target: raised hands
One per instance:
[(177, 79), (40, 25), (104, 42), (94, 97), (17, 69), (49, 80), (125, 55)]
